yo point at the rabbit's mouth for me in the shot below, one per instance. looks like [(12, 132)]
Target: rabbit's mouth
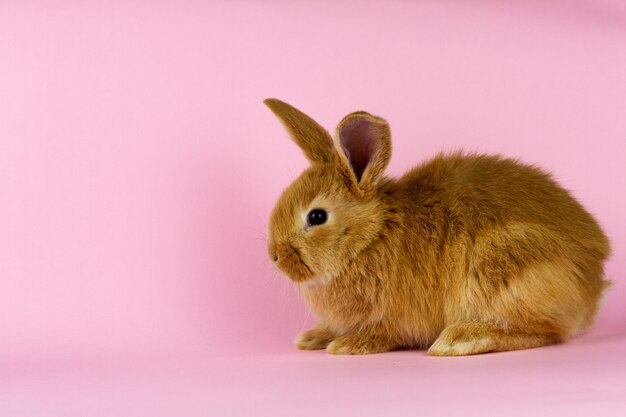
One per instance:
[(298, 271), (289, 261)]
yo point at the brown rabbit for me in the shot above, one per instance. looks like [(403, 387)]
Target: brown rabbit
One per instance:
[(465, 253)]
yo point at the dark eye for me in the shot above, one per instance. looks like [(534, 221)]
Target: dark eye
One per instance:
[(317, 217)]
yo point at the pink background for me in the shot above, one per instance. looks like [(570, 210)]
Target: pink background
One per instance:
[(138, 168)]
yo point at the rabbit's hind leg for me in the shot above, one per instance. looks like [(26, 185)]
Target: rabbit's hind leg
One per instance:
[(475, 337)]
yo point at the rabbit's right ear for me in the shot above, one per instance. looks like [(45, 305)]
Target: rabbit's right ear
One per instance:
[(312, 138), (364, 141)]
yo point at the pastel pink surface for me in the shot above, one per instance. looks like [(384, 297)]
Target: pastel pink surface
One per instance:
[(138, 168), (582, 378)]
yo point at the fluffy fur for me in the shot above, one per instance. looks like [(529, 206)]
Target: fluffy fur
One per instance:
[(464, 254)]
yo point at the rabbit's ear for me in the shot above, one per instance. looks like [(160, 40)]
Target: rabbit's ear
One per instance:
[(312, 138), (366, 142)]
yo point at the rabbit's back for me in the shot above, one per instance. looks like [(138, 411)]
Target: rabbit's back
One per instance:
[(479, 192)]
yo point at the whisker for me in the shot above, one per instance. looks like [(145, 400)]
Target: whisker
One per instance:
[(306, 320)]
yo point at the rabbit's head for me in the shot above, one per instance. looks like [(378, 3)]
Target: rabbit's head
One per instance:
[(333, 210)]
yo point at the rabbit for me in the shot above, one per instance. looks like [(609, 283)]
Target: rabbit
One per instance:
[(464, 254)]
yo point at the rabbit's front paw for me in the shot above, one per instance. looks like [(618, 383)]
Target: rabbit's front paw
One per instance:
[(314, 339), (358, 345)]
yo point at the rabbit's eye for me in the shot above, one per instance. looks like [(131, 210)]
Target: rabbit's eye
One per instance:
[(317, 217)]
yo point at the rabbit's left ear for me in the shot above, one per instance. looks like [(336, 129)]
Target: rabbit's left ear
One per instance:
[(312, 138), (365, 141)]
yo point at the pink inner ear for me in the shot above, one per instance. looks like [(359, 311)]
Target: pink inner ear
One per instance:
[(358, 142)]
